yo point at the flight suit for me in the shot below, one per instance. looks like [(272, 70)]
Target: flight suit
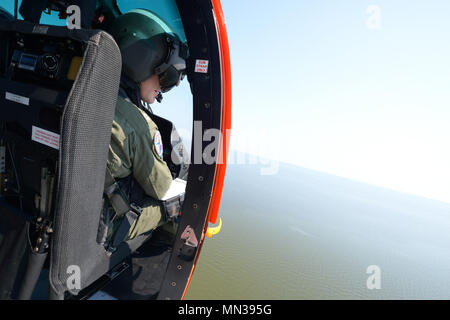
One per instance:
[(136, 149)]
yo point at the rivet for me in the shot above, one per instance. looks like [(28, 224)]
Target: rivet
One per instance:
[(200, 178), (195, 206), (173, 284), (179, 267)]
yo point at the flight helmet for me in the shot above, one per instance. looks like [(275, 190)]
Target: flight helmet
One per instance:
[(149, 46)]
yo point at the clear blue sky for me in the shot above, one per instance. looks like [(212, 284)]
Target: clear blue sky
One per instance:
[(322, 90), (314, 85)]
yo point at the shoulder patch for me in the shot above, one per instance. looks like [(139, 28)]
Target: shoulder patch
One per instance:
[(157, 141)]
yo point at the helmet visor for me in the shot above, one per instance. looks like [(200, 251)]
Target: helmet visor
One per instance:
[(170, 78)]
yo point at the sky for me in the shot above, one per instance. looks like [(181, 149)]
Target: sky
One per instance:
[(353, 88), (324, 86)]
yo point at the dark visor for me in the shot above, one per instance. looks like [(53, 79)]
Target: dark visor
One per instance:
[(171, 72), (170, 78)]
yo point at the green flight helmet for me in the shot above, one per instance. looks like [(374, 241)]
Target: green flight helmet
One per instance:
[(149, 46)]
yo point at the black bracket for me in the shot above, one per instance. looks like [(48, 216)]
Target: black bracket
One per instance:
[(189, 248)]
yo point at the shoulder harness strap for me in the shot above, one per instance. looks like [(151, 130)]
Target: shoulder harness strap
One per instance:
[(122, 208)]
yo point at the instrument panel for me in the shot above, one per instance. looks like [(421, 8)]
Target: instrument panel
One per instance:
[(49, 62)]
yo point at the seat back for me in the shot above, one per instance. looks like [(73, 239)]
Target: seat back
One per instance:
[(58, 91)]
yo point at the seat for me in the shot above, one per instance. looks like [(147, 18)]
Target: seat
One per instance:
[(56, 132)]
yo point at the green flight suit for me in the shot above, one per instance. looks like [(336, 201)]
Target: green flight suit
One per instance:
[(132, 151)]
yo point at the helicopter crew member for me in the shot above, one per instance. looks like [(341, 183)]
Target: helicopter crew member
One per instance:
[(153, 61)]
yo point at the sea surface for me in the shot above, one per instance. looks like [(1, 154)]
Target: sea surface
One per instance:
[(301, 234)]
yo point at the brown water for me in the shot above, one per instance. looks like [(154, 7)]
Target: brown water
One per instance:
[(306, 235)]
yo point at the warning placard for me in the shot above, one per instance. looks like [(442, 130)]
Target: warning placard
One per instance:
[(16, 98), (201, 66), (45, 137)]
